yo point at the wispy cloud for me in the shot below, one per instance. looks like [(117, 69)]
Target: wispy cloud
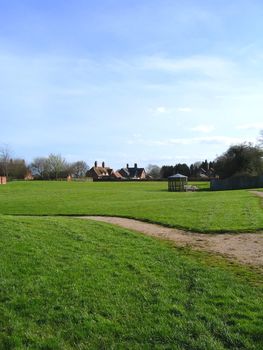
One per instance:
[(210, 66), (203, 128), (184, 109), (216, 140), (168, 110), (162, 110), (224, 140)]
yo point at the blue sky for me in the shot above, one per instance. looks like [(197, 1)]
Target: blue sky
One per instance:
[(149, 81)]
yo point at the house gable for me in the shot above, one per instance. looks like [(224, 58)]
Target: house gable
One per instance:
[(133, 173)]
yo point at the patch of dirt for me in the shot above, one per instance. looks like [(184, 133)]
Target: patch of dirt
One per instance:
[(257, 193), (245, 248)]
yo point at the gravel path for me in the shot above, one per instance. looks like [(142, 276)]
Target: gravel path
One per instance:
[(245, 248)]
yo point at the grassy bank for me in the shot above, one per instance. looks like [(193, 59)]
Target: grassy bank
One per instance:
[(202, 211), (72, 284)]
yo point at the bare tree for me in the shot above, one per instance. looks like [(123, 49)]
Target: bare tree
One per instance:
[(56, 166), (154, 171), (39, 167), (5, 157), (79, 168)]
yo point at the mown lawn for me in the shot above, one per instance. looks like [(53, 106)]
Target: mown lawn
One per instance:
[(202, 211), (72, 284)]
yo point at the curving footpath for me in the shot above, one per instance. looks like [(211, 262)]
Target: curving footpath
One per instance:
[(245, 248)]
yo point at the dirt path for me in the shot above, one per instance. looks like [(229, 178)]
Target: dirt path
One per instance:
[(246, 248), (257, 193)]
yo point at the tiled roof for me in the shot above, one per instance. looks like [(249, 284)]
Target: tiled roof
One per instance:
[(100, 171), (131, 172)]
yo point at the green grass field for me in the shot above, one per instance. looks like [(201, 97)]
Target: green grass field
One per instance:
[(72, 284), (202, 211)]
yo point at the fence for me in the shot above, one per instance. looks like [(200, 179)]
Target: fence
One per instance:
[(237, 183)]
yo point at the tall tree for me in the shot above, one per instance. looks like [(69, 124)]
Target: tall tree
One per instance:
[(166, 171), (242, 159), (17, 169), (182, 169)]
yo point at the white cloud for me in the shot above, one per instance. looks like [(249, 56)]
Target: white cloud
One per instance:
[(204, 128), (161, 110), (166, 110), (184, 109)]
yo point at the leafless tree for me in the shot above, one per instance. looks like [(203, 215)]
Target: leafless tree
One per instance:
[(5, 156), (79, 168), (39, 167), (154, 171), (56, 166)]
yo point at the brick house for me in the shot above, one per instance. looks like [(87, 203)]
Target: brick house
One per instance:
[(133, 173), (103, 173)]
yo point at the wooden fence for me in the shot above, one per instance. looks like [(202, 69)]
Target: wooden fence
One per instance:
[(237, 183)]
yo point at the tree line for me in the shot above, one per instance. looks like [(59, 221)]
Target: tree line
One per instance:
[(200, 169), (53, 167), (238, 160), (241, 159)]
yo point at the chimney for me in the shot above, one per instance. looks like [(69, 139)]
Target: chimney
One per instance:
[(127, 166), (95, 164), (103, 164), (135, 165)]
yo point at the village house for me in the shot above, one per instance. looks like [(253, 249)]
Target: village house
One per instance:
[(103, 173), (132, 173)]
